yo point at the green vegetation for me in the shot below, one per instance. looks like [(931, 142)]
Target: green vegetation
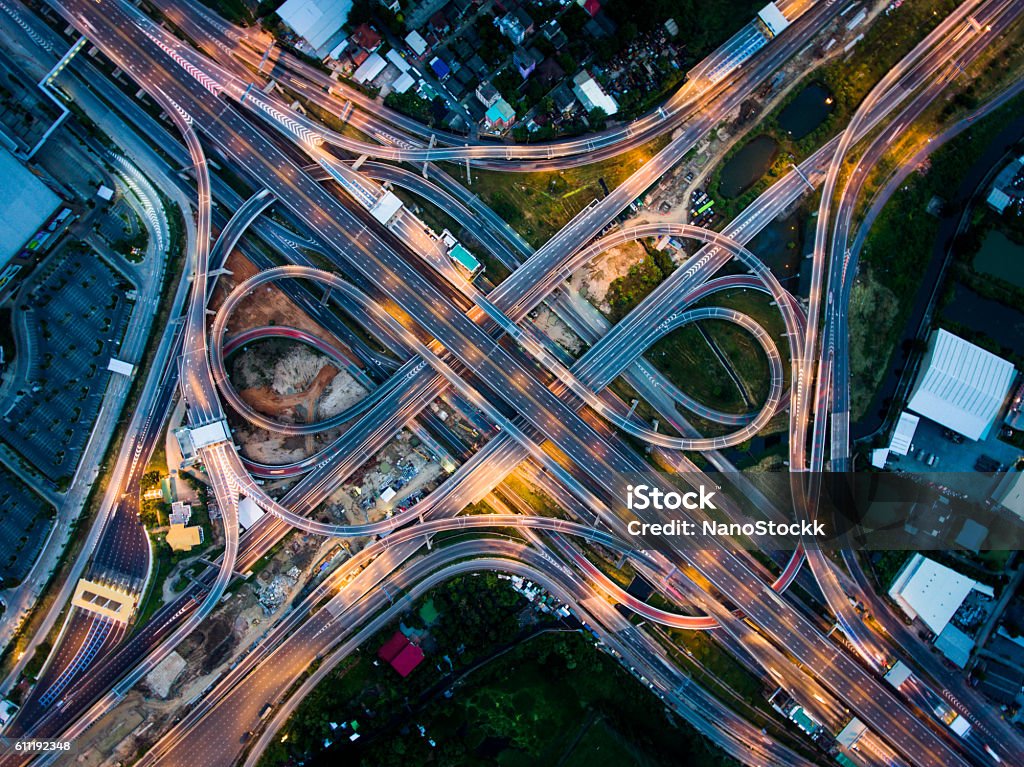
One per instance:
[(686, 357), (38, 659), (548, 697), (539, 204), (703, 24), (886, 565), (153, 511), (713, 667), (626, 292), (849, 79), (428, 112), (163, 562), (872, 306), (901, 244)]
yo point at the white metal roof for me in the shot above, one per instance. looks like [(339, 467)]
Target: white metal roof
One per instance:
[(315, 20), (961, 386), (590, 93), (209, 434), (998, 199), (370, 68), (930, 591), (898, 674), (773, 18), (403, 83), (118, 366), (903, 434), (248, 512), (398, 60), (1010, 492), (416, 43), (955, 645), (960, 726), (851, 733), (386, 207)]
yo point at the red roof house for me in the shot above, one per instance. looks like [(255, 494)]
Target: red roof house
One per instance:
[(402, 654), (592, 7), (366, 37)]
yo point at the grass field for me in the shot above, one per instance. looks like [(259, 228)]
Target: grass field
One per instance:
[(538, 204), (688, 361)]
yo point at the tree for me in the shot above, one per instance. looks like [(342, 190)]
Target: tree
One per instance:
[(597, 118)]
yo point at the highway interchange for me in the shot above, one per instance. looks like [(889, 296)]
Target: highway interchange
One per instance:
[(452, 337)]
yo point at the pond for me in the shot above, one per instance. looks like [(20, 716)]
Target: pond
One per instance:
[(778, 246), (807, 111), (1002, 324), (1001, 257), (747, 166)]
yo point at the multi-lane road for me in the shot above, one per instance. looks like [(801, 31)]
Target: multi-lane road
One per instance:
[(483, 349)]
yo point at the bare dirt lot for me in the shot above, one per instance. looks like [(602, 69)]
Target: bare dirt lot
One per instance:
[(267, 306), (592, 281), (206, 654)]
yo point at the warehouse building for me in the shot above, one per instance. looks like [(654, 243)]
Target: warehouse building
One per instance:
[(316, 21), (961, 386), (932, 592)]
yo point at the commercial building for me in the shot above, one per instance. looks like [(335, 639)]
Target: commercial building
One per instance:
[(903, 434), (403, 83), (398, 60), (932, 592), (487, 94), (25, 205), (955, 645), (591, 95), (1004, 191), (386, 207), (209, 434), (499, 116), (961, 386), (416, 43), (316, 21), (181, 513)]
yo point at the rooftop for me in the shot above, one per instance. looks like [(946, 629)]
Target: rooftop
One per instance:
[(25, 204), (962, 386), (315, 20), (182, 538), (931, 591)]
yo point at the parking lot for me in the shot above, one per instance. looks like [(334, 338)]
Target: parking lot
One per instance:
[(25, 520), (966, 466), (77, 317)]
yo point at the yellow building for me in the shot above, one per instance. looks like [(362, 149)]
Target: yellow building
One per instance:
[(182, 538)]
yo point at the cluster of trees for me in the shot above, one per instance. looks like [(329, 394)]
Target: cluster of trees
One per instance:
[(409, 103), (629, 290), (152, 510)]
